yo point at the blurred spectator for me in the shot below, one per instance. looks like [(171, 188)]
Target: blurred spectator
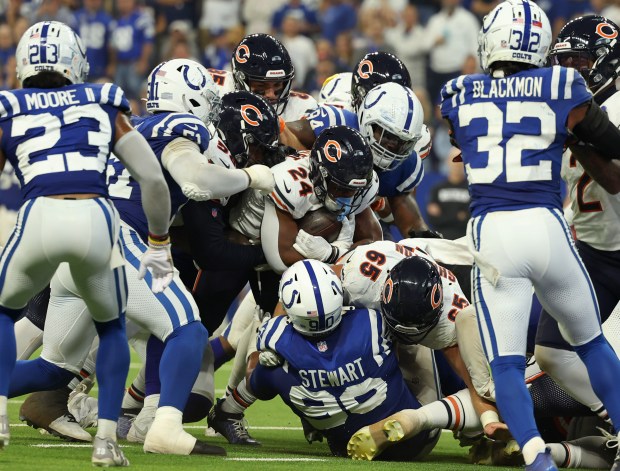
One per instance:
[(132, 41), (176, 10), (452, 42), (257, 14), (301, 48), (612, 11), (482, 8), (388, 11), (372, 38), (180, 42), (94, 27), (221, 14), (448, 203), (19, 28), (218, 51), (324, 69), (308, 21), (336, 17), (562, 11), (51, 10), (8, 78), (407, 39)]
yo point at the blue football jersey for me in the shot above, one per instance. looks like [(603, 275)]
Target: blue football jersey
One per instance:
[(159, 130), (339, 383), (95, 29), (330, 115), (511, 132), (59, 140)]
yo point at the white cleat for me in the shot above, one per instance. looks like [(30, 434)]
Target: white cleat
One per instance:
[(106, 453), (143, 421), (84, 408)]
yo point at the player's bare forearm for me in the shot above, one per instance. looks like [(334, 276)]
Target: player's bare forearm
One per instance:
[(286, 238), (406, 214), (287, 137), (302, 131), (605, 172), (367, 228)]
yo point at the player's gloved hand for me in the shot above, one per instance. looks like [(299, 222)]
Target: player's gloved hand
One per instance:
[(159, 259), (318, 248), (345, 237), (269, 358), (261, 178), (427, 234)]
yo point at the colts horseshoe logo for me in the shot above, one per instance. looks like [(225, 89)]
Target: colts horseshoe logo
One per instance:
[(242, 53), (365, 73), (197, 81), (327, 150), (247, 118)]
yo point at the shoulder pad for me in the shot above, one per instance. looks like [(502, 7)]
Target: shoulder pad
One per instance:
[(9, 104), (293, 187), (184, 125), (110, 94), (218, 154), (411, 175)]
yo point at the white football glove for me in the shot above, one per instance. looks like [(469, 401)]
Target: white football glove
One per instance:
[(261, 178), (318, 248), (270, 359), (159, 259), (345, 237)]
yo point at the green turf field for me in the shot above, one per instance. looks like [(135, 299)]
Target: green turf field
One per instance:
[(284, 447)]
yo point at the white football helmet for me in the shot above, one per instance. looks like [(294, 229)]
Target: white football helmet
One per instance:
[(51, 46), (183, 86), (391, 121), (336, 90), (514, 31), (311, 295)]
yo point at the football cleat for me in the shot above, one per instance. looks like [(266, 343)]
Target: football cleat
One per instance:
[(125, 421), (106, 453), (143, 421), (4, 431), (612, 442), (84, 408), (48, 410), (233, 427), (543, 462), (370, 441)]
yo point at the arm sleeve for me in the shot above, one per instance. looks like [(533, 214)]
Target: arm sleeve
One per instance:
[(269, 235), (198, 179), (136, 154), (209, 245)]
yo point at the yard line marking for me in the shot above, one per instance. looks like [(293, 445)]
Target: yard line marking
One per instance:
[(15, 401), (250, 426), (274, 459)]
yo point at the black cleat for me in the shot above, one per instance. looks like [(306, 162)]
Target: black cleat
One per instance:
[(231, 426), (202, 448)]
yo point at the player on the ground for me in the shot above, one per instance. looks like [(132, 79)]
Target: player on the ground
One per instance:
[(589, 45), (338, 369), (58, 133), (511, 125)]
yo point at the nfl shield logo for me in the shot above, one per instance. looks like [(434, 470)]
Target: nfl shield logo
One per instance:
[(322, 346)]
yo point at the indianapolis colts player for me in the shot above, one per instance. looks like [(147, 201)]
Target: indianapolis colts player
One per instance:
[(339, 371), (511, 125), (590, 45), (58, 133), (184, 101)]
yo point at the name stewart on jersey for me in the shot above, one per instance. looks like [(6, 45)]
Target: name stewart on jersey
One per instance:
[(509, 87), (348, 373)]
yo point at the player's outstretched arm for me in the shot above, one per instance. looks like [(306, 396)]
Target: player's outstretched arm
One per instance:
[(202, 181), (590, 124), (605, 172)]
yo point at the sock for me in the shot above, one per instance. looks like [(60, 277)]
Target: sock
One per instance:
[(37, 375), (455, 412), (7, 347), (28, 338), (580, 453), (152, 367), (197, 408), (604, 370), (513, 399), (106, 429), (134, 396), (221, 355), (239, 400), (180, 364), (532, 448), (112, 367), (3, 405)]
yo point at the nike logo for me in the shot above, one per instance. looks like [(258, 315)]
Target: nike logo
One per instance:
[(288, 190), (193, 127)]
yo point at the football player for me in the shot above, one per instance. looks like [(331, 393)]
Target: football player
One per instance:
[(589, 45), (511, 125), (58, 132)]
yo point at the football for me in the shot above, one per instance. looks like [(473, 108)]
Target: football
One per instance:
[(321, 223)]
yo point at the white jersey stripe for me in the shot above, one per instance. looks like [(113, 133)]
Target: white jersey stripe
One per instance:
[(568, 86), (376, 338), (555, 82), (105, 93)]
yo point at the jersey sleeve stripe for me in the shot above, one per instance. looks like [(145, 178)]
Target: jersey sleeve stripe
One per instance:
[(568, 87), (555, 82), (277, 202), (414, 179), (5, 105), (376, 338), (287, 204), (105, 93), (275, 333), (118, 95), (459, 84)]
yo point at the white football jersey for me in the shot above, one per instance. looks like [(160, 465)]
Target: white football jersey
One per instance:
[(293, 193), (365, 270), (595, 213), (298, 105), (218, 154)]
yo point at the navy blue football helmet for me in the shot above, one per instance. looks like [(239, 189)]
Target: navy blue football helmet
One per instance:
[(412, 299), (590, 45), (262, 58), (376, 68), (341, 169), (249, 124)]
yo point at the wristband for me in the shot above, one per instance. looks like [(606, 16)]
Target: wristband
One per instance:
[(488, 417), (159, 240), (334, 255)]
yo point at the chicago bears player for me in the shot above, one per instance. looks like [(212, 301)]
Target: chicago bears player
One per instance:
[(589, 45), (262, 65), (184, 102), (58, 132), (338, 370), (511, 125)]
